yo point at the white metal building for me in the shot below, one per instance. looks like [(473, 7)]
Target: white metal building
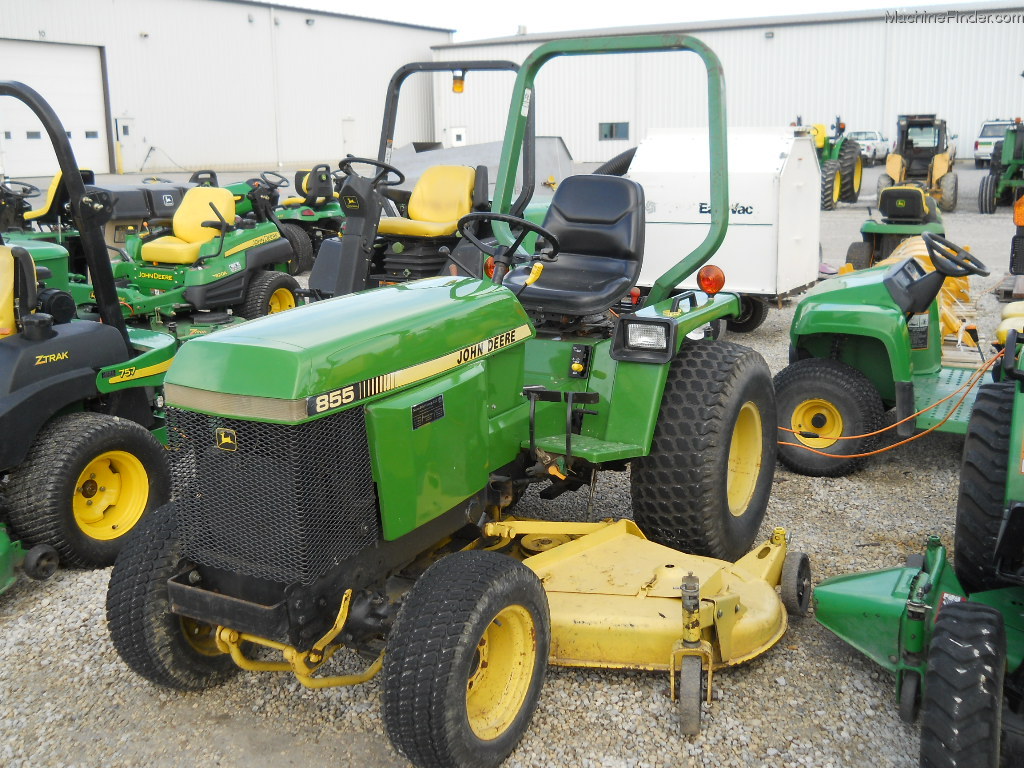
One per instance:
[(861, 65), (168, 84)]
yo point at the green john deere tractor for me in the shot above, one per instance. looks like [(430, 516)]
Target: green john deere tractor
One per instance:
[(81, 406), (357, 493), (1004, 183), (842, 167), (867, 341), (906, 211)]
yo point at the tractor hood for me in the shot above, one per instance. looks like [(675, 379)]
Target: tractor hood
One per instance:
[(341, 352)]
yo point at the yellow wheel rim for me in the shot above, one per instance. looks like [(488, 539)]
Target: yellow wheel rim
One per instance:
[(201, 637), (110, 495), (858, 172), (281, 300), (837, 187), (745, 454), (502, 672), (820, 417)]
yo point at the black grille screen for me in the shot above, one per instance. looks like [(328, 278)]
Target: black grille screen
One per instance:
[(273, 501), (1017, 253)]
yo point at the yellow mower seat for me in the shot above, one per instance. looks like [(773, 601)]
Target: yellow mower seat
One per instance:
[(1013, 309), (55, 199), (1004, 328), (442, 196), (7, 268), (190, 235)]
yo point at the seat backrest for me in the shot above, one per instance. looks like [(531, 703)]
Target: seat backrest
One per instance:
[(7, 273), (903, 204), (195, 209), (443, 193), (317, 186), (598, 215)]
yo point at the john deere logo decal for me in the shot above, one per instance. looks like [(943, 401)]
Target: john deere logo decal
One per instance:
[(351, 202), (226, 439), (901, 203)]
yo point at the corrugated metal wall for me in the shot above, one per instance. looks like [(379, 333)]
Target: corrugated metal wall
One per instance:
[(230, 84), (868, 71)]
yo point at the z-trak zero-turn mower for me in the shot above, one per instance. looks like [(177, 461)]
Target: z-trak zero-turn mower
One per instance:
[(357, 492), (867, 341), (922, 157), (954, 636), (80, 401)]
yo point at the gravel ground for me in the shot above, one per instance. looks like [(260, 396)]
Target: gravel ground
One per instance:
[(69, 701)]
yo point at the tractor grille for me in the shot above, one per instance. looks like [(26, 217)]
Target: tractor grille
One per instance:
[(273, 501), (1017, 253)]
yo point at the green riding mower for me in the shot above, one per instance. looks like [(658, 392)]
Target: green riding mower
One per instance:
[(1004, 183), (954, 636), (842, 166), (357, 493), (871, 340), (81, 405), (922, 157), (906, 211)]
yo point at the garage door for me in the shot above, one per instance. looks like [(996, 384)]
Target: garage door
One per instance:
[(70, 78)]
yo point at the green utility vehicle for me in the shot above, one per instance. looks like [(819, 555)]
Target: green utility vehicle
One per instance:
[(954, 636), (865, 342), (906, 211), (80, 401), (338, 498), (1004, 183), (842, 166)]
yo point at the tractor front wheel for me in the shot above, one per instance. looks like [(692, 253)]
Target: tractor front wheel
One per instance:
[(269, 292), (466, 660), (979, 506), (831, 408), (987, 194), (302, 248), (87, 480), (961, 713), (704, 486), (164, 648), (948, 186), (859, 255), (831, 185)]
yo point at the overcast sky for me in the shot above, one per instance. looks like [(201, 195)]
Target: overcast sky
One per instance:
[(479, 20)]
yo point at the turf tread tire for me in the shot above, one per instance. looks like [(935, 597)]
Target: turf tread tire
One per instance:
[(145, 634), (40, 490), (679, 490), (849, 159), (961, 712), (261, 288), (302, 248), (979, 506), (859, 255), (431, 646), (753, 313), (839, 383)]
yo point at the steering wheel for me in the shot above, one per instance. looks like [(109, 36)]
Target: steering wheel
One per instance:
[(521, 228), (345, 166), (274, 180), (23, 189), (950, 259)]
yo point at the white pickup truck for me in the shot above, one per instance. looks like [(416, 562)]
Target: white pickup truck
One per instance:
[(874, 147)]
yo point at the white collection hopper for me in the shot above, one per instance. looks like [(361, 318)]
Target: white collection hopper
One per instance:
[(771, 248)]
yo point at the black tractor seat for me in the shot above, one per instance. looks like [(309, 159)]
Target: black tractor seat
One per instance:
[(599, 222), (906, 204)]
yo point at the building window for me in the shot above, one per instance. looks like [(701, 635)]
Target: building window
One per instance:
[(92, 134), (613, 131), (33, 135), (7, 135)]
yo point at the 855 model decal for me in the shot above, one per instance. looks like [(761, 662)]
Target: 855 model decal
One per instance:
[(361, 390)]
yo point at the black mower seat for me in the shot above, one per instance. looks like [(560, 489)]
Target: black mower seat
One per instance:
[(906, 204), (315, 186), (599, 222)]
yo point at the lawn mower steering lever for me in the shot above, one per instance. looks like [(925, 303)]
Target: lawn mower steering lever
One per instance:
[(950, 259), (274, 180)]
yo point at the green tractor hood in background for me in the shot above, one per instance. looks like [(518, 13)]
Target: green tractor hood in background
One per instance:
[(348, 349)]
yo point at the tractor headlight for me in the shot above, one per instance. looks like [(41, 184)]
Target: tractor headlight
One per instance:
[(647, 340)]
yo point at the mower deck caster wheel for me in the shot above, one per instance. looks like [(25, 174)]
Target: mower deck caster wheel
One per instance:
[(41, 562), (796, 584), (910, 696), (691, 695)]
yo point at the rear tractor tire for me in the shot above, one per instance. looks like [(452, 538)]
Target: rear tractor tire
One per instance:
[(949, 185), (269, 292), (753, 312), (164, 648), (831, 185), (832, 400), (302, 248), (704, 486), (87, 481), (961, 713), (884, 182), (851, 166), (860, 255), (466, 661), (987, 194)]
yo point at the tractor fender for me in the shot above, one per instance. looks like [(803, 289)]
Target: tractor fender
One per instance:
[(275, 252)]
